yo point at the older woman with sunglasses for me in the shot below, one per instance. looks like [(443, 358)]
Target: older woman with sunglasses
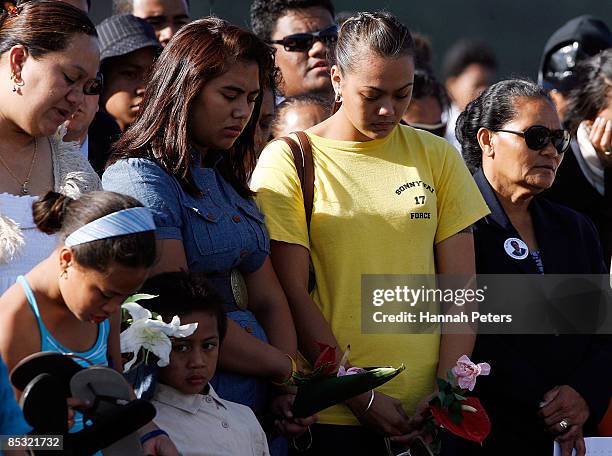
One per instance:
[(511, 135), (48, 64)]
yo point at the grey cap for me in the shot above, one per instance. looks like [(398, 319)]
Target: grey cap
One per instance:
[(125, 33)]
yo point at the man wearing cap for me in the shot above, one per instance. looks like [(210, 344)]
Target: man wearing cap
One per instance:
[(128, 48), (578, 39), (165, 16)]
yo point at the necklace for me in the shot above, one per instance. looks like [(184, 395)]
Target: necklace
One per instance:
[(26, 182)]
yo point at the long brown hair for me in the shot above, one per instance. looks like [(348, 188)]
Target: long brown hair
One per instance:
[(199, 52)]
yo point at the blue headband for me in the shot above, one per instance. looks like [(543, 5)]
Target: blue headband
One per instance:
[(120, 223)]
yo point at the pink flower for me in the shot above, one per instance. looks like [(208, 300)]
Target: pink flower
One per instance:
[(466, 372), (350, 371)]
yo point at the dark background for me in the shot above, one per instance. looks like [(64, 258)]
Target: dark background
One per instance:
[(516, 29)]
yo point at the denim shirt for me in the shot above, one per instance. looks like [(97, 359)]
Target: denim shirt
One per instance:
[(220, 230)]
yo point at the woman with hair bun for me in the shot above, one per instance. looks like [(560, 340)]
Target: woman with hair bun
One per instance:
[(388, 199), (69, 303), (512, 139), (49, 60)]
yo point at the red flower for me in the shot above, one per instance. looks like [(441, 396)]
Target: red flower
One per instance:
[(326, 360), (474, 426)]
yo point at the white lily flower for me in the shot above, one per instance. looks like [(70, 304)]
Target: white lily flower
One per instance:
[(150, 334)]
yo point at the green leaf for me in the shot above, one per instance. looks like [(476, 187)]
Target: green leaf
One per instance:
[(459, 397), (316, 395), (138, 296), (456, 417), (454, 411), (442, 384), (455, 406), (450, 376), (449, 399)]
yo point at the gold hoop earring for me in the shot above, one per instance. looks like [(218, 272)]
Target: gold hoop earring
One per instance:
[(64, 274)]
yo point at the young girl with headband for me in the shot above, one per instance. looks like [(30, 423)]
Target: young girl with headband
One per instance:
[(69, 302)]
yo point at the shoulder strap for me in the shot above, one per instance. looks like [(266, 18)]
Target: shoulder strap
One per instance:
[(29, 296), (304, 164)]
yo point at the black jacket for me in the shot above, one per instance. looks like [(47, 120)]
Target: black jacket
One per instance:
[(525, 367), (103, 132), (572, 189)]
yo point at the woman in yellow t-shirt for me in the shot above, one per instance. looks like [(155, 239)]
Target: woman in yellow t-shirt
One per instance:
[(388, 199)]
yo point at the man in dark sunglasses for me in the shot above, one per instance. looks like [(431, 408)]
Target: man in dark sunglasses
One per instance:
[(302, 32)]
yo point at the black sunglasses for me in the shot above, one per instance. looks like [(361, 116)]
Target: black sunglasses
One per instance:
[(94, 86), (537, 137), (302, 42)]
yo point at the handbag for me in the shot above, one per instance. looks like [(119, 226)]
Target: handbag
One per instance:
[(304, 164)]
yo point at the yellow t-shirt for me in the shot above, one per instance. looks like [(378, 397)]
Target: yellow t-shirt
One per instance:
[(365, 193)]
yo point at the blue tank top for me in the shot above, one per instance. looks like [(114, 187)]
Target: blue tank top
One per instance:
[(96, 355)]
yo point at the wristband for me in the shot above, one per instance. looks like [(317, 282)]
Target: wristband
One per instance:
[(289, 380), (152, 435), (367, 409)]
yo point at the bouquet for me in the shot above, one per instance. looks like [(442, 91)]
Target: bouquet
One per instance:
[(148, 332), (331, 383), (453, 410)]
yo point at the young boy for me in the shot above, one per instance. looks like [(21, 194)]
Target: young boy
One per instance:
[(188, 409)]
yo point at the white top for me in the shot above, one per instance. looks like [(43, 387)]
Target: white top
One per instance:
[(18, 209), (453, 115), (587, 158), (22, 246), (208, 425)]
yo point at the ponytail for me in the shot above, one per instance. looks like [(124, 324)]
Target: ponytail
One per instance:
[(56, 213), (49, 212)]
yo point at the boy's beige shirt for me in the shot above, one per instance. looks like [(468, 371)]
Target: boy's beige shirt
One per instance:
[(205, 424)]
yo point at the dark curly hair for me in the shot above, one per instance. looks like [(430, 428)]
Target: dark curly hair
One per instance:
[(593, 90), (265, 13), (492, 109), (181, 293)]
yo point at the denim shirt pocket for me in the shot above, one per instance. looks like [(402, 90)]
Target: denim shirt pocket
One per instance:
[(256, 219), (205, 228)]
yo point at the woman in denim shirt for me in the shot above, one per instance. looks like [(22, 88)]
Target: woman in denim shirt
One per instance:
[(188, 157)]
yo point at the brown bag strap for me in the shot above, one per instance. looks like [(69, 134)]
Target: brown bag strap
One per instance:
[(304, 164)]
